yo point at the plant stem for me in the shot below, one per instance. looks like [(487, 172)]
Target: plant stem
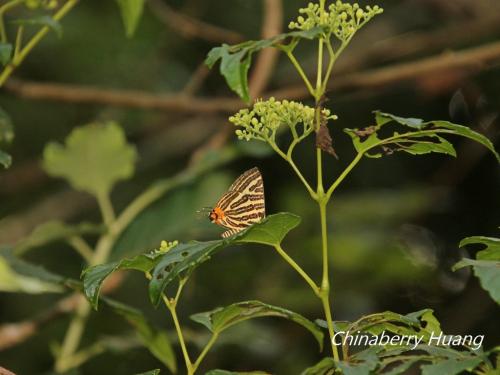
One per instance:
[(290, 161), (325, 281), (82, 247), (172, 308), (65, 360), (19, 58), (297, 268), (206, 349), (344, 174), (73, 336), (301, 72), (3, 9), (107, 211)]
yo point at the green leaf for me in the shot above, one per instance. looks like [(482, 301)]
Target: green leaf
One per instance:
[(422, 138), (222, 318), (362, 363), (19, 276), (131, 11), (420, 323), (324, 367), (93, 277), (491, 244), (155, 340), (451, 366), (45, 21), (93, 158), (152, 372), (52, 231), (487, 265), (235, 60), (225, 372), (183, 258), (5, 53)]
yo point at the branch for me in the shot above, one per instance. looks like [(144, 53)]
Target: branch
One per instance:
[(190, 27), (272, 25), (468, 60), (12, 334)]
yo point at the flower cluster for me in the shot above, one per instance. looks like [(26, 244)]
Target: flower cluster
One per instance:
[(166, 246), (265, 118), (341, 19)]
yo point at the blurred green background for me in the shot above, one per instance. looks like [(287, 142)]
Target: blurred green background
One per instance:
[(395, 224)]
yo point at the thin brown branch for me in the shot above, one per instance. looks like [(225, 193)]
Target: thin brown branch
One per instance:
[(190, 27), (12, 334), (272, 25), (468, 60)]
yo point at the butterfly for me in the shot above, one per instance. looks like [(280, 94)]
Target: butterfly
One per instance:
[(242, 205)]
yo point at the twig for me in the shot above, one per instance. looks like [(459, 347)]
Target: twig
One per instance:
[(267, 58), (12, 334), (190, 27), (468, 60)]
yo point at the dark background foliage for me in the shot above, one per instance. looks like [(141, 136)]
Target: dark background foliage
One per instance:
[(395, 223)]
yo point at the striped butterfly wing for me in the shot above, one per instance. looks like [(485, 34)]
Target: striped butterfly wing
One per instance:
[(243, 204)]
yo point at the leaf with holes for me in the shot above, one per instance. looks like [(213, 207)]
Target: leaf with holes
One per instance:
[(183, 258), (93, 159), (222, 318), (421, 138), (235, 60), (155, 340), (486, 266), (52, 231), (93, 277)]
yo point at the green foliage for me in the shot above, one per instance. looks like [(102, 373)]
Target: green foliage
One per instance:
[(17, 275), (6, 136), (93, 277), (156, 341), (168, 264), (47, 21), (185, 257), (131, 11), (222, 318), (5, 53), (236, 60), (93, 158), (52, 231), (486, 266), (423, 137), (324, 367)]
